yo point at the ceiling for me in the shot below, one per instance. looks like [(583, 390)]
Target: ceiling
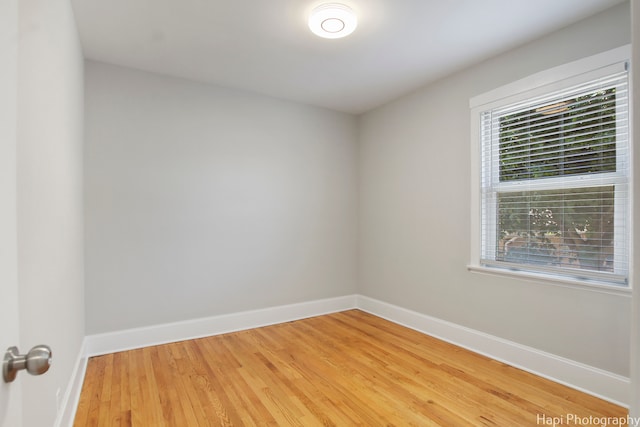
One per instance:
[(265, 46)]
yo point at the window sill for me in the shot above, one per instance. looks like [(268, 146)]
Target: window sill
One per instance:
[(547, 279)]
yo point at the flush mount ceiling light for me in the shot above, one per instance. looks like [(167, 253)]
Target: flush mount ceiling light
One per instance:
[(332, 21)]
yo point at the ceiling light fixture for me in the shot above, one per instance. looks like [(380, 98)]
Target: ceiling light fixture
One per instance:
[(332, 21)]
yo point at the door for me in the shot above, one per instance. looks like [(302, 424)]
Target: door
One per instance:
[(10, 396)]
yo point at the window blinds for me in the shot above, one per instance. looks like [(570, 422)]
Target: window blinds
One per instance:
[(555, 181)]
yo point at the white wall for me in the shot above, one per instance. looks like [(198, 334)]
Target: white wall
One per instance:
[(202, 200), (50, 205), (415, 205), (634, 409)]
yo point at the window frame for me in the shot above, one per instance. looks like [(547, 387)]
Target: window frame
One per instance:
[(531, 87)]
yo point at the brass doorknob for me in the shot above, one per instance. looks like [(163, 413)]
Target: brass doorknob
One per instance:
[(37, 361)]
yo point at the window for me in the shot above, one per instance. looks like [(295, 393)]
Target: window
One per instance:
[(554, 175)]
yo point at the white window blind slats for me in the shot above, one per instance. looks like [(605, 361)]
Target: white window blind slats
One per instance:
[(551, 131), (609, 76), (546, 121), (554, 178), (620, 124), (580, 104), (558, 144)]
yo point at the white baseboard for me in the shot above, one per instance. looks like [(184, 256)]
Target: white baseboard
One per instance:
[(129, 339), (605, 385), (69, 404)]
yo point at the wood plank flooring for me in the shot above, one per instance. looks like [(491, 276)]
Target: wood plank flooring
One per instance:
[(342, 369)]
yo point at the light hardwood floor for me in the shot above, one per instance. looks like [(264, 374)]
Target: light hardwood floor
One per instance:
[(342, 369)]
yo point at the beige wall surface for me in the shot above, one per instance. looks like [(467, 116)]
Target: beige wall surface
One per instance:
[(634, 409), (203, 201), (414, 235)]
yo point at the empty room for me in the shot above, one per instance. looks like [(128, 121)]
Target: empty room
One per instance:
[(331, 213)]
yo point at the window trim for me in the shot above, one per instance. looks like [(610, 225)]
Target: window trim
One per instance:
[(539, 83)]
